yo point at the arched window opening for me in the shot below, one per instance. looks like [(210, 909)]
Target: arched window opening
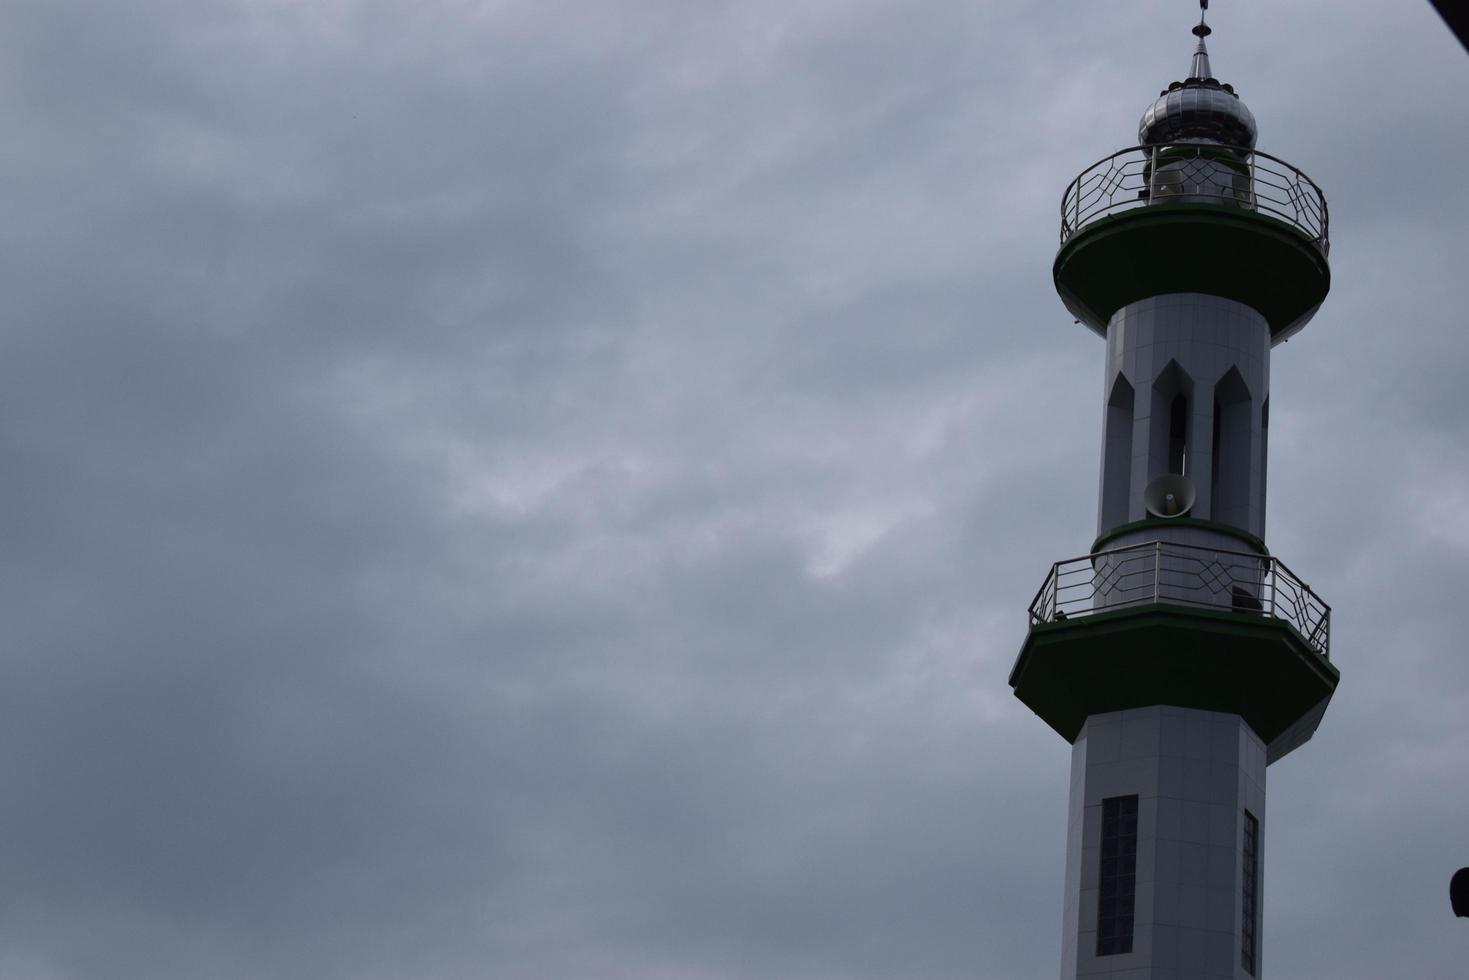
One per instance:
[(1117, 456), (1170, 423), (1178, 435), (1264, 459), (1230, 482)]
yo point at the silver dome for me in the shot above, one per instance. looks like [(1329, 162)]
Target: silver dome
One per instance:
[(1198, 108)]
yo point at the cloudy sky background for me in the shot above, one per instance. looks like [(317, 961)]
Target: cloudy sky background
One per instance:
[(551, 490)]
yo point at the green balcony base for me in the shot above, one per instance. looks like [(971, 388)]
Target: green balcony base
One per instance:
[(1248, 664), (1216, 249)]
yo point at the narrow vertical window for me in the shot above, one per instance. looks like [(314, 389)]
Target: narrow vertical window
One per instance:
[(1264, 458), (1230, 495), (1214, 448), (1178, 435), (1117, 456), (1170, 415), (1118, 880), (1250, 906)]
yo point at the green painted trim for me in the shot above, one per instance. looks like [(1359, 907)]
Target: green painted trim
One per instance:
[(1232, 622), (1184, 247), (1197, 522)]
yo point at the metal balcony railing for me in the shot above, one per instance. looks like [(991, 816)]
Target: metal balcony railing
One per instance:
[(1184, 575), (1196, 173)]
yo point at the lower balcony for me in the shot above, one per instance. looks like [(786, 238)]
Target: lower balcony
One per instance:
[(1163, 623)]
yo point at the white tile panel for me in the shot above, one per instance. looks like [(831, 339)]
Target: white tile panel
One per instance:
[(1190, 790)]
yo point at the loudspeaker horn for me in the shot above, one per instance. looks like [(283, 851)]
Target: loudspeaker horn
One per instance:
[(1169, 496)]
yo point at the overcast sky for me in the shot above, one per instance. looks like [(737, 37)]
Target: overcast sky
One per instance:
[(534, 489)]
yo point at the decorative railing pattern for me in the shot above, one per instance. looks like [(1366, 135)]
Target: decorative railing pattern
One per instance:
[(1185, 575), (1197, 173)]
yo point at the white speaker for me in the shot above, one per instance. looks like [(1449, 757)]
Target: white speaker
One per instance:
[(1169, 496)]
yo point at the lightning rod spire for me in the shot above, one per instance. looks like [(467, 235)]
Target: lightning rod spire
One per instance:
[(1200, 67)]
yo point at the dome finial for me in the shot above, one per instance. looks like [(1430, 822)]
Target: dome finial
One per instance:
[(1200, 68)]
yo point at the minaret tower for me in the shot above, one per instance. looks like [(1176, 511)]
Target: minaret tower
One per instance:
[(1179, 657)]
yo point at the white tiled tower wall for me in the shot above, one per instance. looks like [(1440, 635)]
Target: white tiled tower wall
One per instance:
[(1195, 773), (1217, 350)]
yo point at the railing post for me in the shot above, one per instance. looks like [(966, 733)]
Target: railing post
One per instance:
[(1274, 578), (1063, 212), (1055, 590)]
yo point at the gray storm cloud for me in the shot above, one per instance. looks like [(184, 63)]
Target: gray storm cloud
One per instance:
[(552, 490)]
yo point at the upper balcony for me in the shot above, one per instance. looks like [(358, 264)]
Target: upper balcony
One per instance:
[(1199, 173), (1194, 217)]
